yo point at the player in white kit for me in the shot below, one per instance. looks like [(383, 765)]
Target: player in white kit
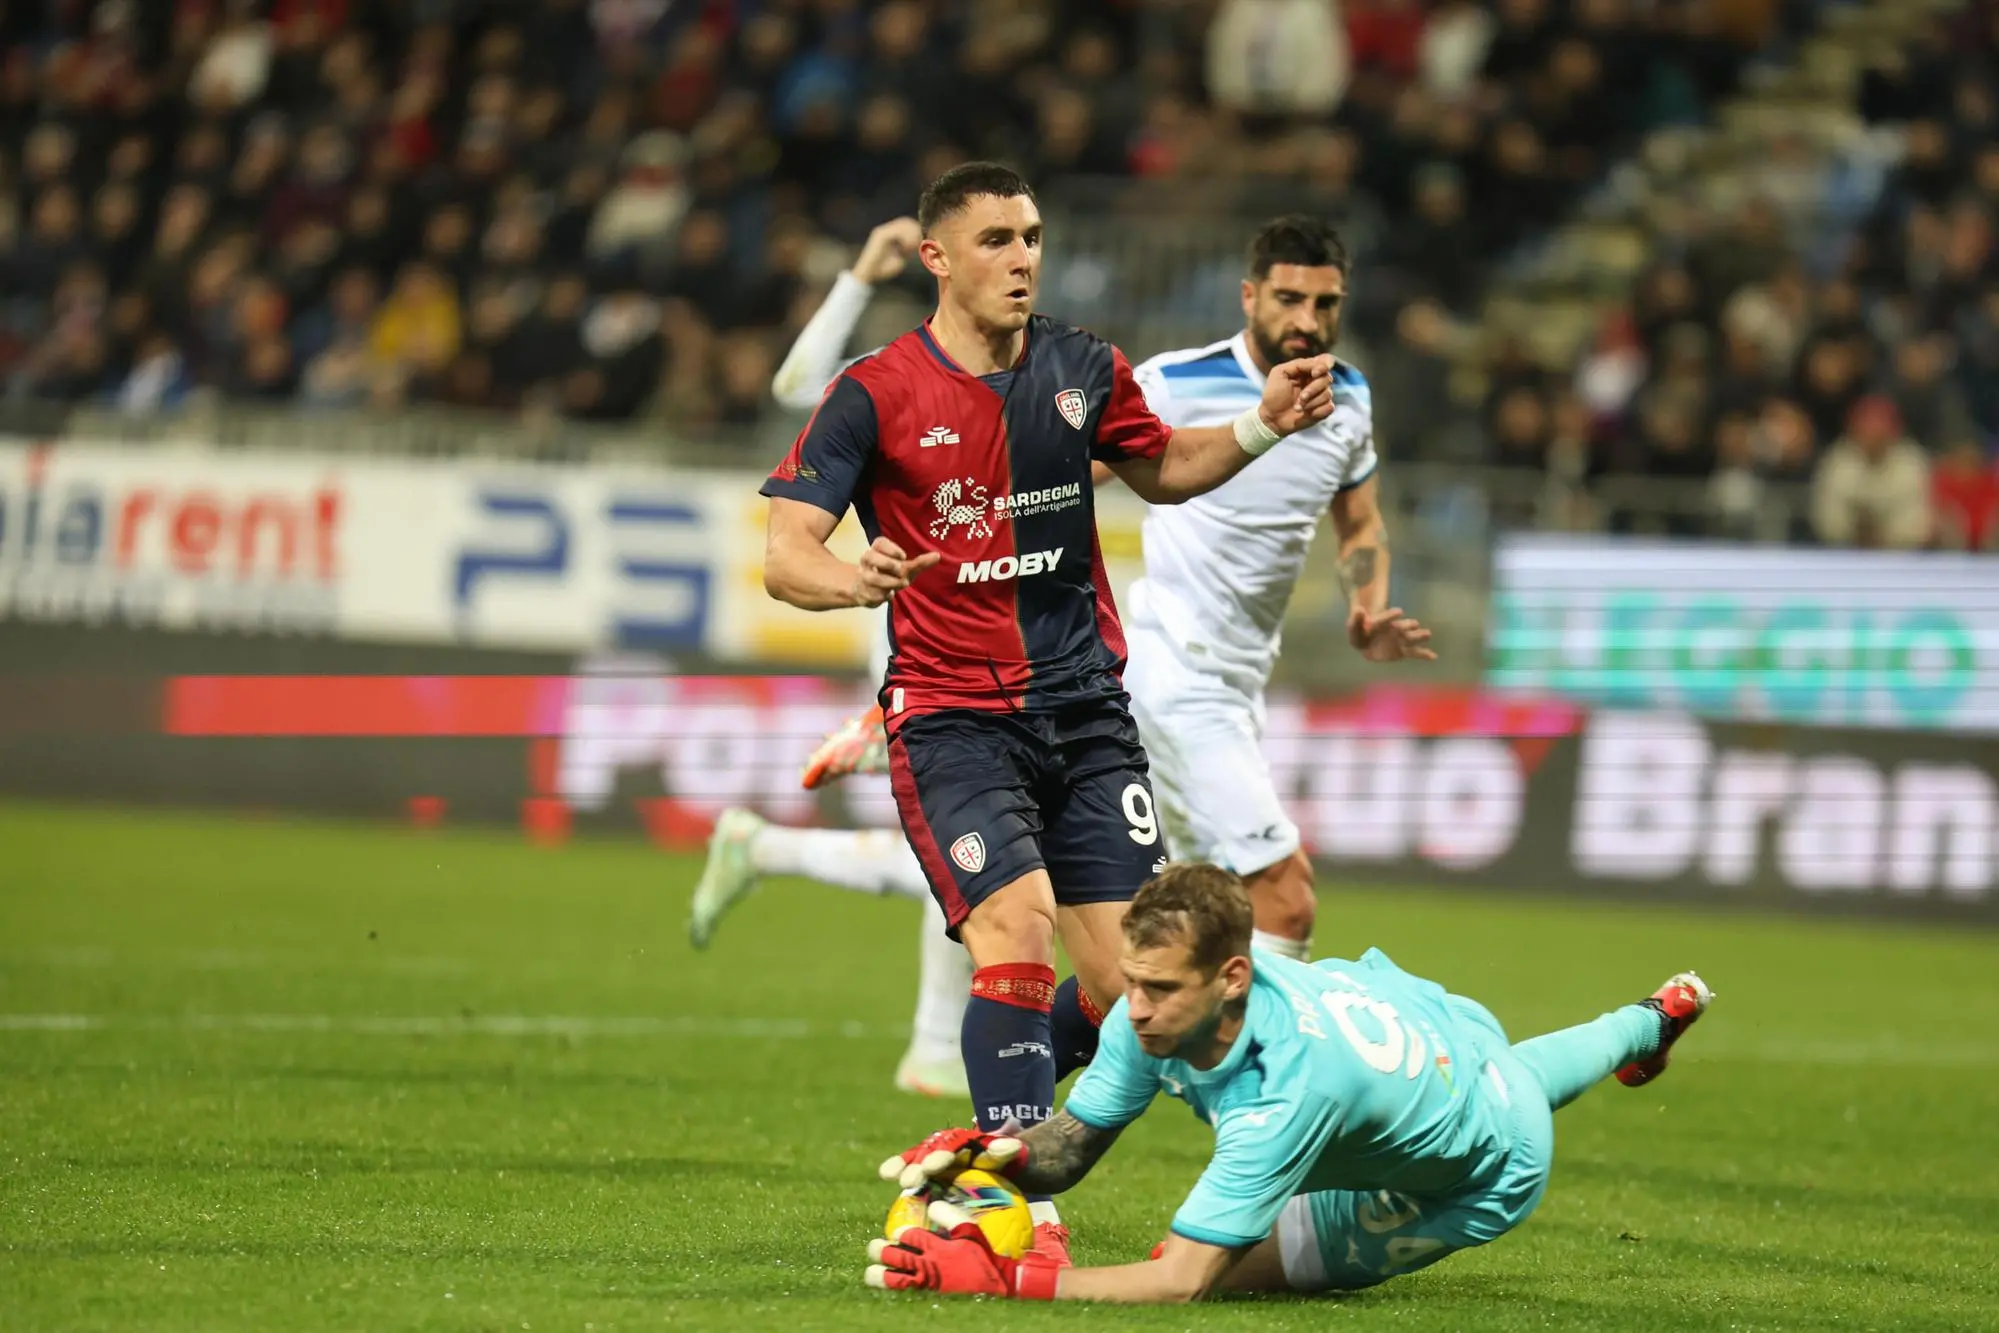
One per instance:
[(1205, 622)]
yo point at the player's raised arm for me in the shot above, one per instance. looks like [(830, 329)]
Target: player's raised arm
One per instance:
[(1195, 460), (815, 358)]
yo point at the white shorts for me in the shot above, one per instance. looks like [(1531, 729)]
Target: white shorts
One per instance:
[(1204, 738)]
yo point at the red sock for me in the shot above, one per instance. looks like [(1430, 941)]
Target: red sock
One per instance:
[(1009, 1059)]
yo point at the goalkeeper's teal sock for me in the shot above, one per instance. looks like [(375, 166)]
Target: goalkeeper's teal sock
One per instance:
[(1572, 1061)]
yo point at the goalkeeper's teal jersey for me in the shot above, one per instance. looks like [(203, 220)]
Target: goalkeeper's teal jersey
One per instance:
[(1346, 1075)]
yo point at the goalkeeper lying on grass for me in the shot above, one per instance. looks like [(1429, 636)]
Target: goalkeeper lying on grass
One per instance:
[(1367, 1122)]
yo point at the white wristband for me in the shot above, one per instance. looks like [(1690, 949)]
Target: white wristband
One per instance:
[(1253, 435)]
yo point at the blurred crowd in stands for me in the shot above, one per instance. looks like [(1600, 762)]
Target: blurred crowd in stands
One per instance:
[(611, 210), (1837, 331)]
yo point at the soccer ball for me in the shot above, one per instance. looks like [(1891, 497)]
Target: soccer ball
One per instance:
[(994, 1203)]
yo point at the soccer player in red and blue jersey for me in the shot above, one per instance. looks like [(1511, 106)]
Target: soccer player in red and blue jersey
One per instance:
[(965, 445)]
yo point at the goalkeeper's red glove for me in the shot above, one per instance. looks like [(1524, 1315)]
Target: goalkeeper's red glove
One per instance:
[(950, 1150), (959, 1262)]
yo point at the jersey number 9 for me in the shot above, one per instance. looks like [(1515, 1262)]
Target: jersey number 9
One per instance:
[(1139, 814)]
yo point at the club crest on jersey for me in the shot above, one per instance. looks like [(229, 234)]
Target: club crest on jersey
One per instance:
[(970, 852), (1073, 406), (960, 502)]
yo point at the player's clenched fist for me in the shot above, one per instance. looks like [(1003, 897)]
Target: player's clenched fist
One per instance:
[(951, 1150), (884, 570), (888, 248), (1297, 394)]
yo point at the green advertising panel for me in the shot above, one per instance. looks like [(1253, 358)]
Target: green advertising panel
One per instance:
[(1837, 638)]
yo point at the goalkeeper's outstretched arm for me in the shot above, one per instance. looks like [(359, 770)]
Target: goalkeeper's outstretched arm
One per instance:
[(1060, 1152), (1182, 1270), (815, 359)]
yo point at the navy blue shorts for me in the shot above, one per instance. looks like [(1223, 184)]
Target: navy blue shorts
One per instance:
[(988, 797)]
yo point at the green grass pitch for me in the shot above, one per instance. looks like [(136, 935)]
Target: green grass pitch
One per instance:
[(304, 1076)]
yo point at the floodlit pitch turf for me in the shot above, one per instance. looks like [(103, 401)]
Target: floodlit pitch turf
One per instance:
[(303, 1076)]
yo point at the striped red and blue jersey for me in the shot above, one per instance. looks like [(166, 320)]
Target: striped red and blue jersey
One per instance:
[(992, 472)]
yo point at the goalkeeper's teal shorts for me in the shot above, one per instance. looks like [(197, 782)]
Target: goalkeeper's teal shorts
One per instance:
[(1345, 1239)]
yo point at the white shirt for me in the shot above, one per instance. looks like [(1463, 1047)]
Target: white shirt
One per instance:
[(1891, 494), (1278, 55), (1452, 49), (236, 65), (1219, 569)]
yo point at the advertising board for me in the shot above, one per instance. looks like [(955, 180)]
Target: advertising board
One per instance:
[(1904, 640), (170, 538), (557, 558)]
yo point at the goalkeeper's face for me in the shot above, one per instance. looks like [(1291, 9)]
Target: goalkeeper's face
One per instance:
[(1294, 311), (1175, 1005)]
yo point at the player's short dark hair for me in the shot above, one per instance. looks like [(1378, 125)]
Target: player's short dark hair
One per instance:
[(1202, 906), (964, 183), (1296, 238)]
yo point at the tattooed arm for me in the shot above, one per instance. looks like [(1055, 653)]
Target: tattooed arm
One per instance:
[(1060, 1152), (1363, 546), (1378, 632)]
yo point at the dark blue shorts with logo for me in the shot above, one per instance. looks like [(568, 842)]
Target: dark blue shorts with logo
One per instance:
[(988, 797)]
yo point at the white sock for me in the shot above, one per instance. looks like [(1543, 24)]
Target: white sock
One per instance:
[(866, 860), (1299, 949), (944, 979)]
